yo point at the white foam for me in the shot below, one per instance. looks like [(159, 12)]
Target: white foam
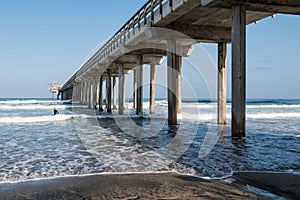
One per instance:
[(96, 174), (32, 107), (273, 115), (51, 118), (32, 101), (273, 106)]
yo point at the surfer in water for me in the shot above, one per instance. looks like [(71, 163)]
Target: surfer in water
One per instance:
[(55, 111)]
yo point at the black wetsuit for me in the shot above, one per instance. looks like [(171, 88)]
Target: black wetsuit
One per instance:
[(56, 112)]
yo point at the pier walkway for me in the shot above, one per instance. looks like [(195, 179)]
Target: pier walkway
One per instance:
[(143, 40)]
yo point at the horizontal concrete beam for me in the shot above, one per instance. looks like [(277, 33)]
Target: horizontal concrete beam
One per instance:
[(203, 33), (275, 6), (132, 59), (160, 49)]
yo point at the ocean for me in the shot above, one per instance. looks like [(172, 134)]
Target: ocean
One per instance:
[(35, 144)]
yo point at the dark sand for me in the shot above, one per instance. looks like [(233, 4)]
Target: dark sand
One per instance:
[(282, 184), (138, 186)]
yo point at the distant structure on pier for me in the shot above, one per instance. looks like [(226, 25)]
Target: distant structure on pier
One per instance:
[(55, 89)]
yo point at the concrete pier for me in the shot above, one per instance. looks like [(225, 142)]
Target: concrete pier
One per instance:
[(100, 94), (172, 78), (152, 89), (114, 93), (121, 89), (108, 91), (238, 90), (178, 83), (134, 88), (139, 80), (222, 83), (137, 43), (88, 90)]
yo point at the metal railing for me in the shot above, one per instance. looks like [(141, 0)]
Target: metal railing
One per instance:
[(134, 23), (139, 19)]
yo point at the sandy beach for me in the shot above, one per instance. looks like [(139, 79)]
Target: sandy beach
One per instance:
[(151, 186)]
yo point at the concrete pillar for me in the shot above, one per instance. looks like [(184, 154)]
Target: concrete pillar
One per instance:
[(74, 94), (92, 95), (89, 94), (100, 94), (139, 91), (222, 83), (97, 93), (85, 93), (171, 63), (238, 70), (81, 93), (108, 91), (134, 88), (114, 93), (121, 89), (178, 84), (152, 88)]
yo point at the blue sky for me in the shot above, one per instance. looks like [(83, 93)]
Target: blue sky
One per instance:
[(43, 41)]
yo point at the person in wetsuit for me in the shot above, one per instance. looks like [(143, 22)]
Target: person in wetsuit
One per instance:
[(55, 111)]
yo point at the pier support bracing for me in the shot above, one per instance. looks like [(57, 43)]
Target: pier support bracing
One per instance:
[(172, 78), (238, 70), (100, 94), (121, 90), (139, 89), (152, 88), (114, 93), (222, 83), (108, 91)]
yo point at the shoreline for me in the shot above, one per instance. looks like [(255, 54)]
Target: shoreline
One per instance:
[(154, 186)]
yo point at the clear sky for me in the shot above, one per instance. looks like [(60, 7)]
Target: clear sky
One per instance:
[(46, 41)]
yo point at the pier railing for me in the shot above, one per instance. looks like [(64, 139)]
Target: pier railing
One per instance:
[(143, 17)]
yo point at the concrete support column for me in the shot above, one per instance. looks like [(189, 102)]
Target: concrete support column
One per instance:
[(75, 92), (134, 88), (81, 93), (178, 84), (114, 93), (171, 63), (89, 94), (97, 93), (100, 94), (139, 91), (108, 91), (92, 95), (85, 93), (238, 70), (152, 88), (222, 83), (121, 89)]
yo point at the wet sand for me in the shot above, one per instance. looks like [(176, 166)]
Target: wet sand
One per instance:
[(135, 186), (282, 184)]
